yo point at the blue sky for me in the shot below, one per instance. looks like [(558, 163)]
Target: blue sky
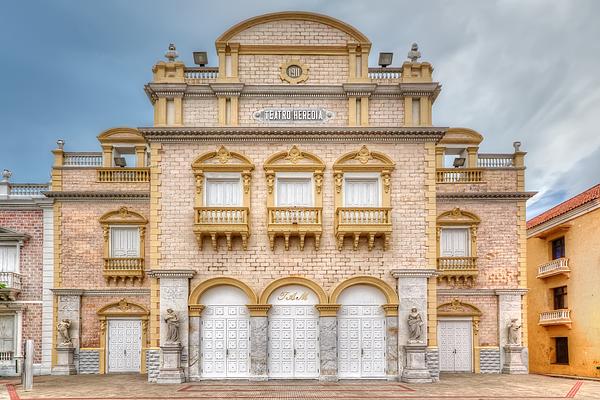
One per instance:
[(510, 69)]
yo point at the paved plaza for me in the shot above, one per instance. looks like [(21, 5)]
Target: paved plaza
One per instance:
[(455, 386)]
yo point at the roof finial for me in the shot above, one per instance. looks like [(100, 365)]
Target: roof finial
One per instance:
[(60, 143), (517, 146), (171, 54), (414, 54), (6, 174)]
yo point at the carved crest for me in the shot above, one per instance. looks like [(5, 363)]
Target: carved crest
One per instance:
[(363, 155), (457, 307), (294, 155), (124, 305), (223, 155)]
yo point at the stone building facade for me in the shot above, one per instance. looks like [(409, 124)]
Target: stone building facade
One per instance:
[(292, 213)]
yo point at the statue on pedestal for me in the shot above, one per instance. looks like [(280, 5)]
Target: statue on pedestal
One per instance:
[(63, 332), (172, 321), (514, 332), (415, 327)]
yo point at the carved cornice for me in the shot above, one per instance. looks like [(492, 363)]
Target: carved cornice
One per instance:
[(294, 134), (420, 89), (68, 292), (509, 196), (512, 292), (413, 273), (93, 195), (328, 310), (306, 91), (359, 89), (171, 273), (227, 89)]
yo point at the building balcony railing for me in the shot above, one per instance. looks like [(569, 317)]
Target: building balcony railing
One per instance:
[(371, 222), (7, 355), (82, 159), (458, 269), (554, 267), (199, 75), (215, 222), (28, 189), (10, 285), (459, 175), (124, 175), (388, 75), (294, 221), (495, 160), (556, 317), (122, 268)]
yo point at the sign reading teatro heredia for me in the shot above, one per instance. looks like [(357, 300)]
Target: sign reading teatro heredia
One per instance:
[(293, 115)]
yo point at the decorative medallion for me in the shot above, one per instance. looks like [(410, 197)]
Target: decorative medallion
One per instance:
[(223, 155), (294, 155), (293, 71), (363, 155), (124, 305)]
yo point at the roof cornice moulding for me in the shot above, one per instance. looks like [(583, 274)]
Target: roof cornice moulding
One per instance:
[(75, 196), (509, 196), (171, 273)]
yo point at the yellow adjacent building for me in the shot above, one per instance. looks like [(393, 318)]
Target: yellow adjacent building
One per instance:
[(563, 260)]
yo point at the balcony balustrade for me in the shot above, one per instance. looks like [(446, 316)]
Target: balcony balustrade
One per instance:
[(458, 269), (371, 222), (459, 175), (7, 355), (124, 175), (123, 269), (200, 75), (221, 221), (82, 159), (387, 75), (495, 160), (10, 285), (28, 189), (294, 221), (554, 267), (556, 317)]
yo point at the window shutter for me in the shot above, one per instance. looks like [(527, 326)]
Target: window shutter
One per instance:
[(294, 192), (7, 326), (223, 192), (125, 242), (8, 258), (455, 242), (361, 192)]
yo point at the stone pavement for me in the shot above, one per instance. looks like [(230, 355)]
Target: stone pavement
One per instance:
[(452, 386)]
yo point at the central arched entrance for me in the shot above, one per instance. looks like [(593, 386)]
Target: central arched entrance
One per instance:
[(293, 332)]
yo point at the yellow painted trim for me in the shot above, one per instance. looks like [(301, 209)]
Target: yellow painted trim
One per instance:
[(390, 294), (286, 78), (293, 280), (223, 156), (229, 34), (154, 226), (461, 136), (384, 160), (219, 281), (121, 135)]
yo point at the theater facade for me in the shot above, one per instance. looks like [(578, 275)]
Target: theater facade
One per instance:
[(292, 213)]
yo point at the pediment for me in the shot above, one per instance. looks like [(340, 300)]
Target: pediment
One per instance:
[(123, 308), (463, 136), (294, 159), (123, 216), (364, 158), (121, 135), (12, 235), (457, 307), (456, 216), (222, 159)]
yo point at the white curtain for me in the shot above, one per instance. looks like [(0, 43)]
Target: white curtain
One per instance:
[(294, 192), (8, 258), (124, 242), (361, 192), (455, 242), (223, 192)]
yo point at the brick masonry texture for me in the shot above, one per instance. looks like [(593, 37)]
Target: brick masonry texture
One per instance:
[(432, 359), (259, 265), (89, 361), (489, 361), (493, 181), (264, 70), (293, 32), (83, 244), (84, 179), (200, 111)]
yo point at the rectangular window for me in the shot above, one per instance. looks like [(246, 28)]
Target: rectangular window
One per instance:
[(224, 192), (124, 242), (7, 337), (455, 242), (416, 111), (170, 112), (294, 192), (558, 248), (228, 66), (361, 192), (8, 258), (560, 297), (562, 350)]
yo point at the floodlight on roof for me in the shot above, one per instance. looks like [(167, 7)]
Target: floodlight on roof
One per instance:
[(385, 59), (200, 58)]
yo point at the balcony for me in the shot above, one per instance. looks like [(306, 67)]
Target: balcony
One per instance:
[(554, 267), (10, 286), (200, 75), (7, 355), (363, 221), (123, 269), (556, 317), (458, 269), (459, 175), (295, 221), (218, 222), (123, 175)]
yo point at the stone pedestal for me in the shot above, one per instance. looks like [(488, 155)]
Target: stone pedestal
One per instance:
[(64, 361), (513, 361), (328, 350), (170, 368), (416, 370), (258, 348)]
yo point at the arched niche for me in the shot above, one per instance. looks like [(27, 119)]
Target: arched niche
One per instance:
[(195, 304), (291, 280), (391, 298)]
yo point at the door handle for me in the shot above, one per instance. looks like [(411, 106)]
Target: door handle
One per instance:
[(294, 352), (227, 353), (362, 352), (124, 351)]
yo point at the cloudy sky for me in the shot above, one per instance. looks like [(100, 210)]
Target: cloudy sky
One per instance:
[(512, 70)]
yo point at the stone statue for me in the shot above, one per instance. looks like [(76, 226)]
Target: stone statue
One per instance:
[(172, 321), (63, 332), (514, 332), (414, 54), (415, 327)]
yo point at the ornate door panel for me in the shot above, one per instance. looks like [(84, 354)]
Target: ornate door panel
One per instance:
[(455, 345), (225, 342), (124, 345), (361, 341)]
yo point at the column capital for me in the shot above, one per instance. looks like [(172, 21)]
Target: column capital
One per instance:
[(413, 273), (511, 292), (171, 273)]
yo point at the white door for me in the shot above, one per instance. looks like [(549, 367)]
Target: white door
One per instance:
[(124, 345), (361, 333), (225, 342), (455, 345)]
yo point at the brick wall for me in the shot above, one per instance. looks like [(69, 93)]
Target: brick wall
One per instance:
[(386, 112), (82, 179), (264, 69), (292, 32), (259, 265), (200, 111)]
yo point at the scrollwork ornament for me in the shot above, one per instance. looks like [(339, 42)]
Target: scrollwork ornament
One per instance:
[(270, 182), (318, 182), (363, 155), (339, 179)]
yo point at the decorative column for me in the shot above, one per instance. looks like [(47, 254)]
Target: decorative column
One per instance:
[(68, 331), (258, 341), (514, 357), (328, 341), (412, 293), (174, 292), (195, 341), (391, 341)]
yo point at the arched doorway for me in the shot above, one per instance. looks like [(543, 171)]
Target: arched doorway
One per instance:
[(361, 332)]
